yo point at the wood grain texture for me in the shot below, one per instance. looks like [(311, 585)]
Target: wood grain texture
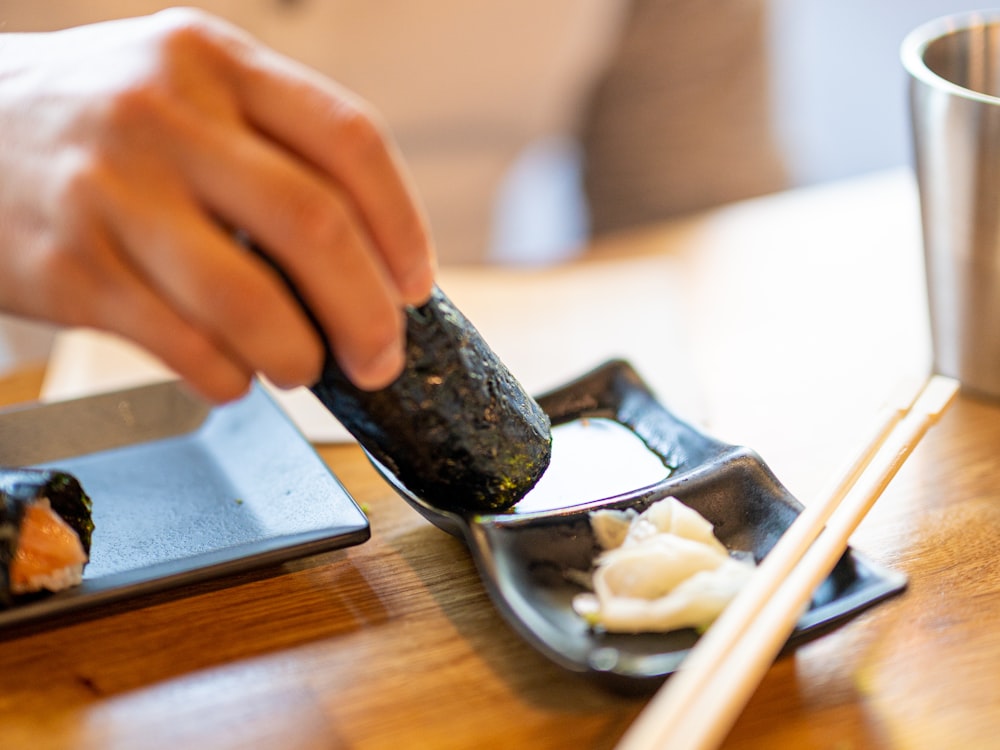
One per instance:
[(394, 643), (369, 648), (919, 671)]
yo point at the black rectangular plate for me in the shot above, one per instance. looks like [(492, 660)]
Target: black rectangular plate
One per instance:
[(182, 492)]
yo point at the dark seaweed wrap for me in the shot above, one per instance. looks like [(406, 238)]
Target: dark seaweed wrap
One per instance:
[(19, 488), (456, 428)]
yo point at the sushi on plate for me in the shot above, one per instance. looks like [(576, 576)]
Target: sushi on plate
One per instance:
[(45, 532)]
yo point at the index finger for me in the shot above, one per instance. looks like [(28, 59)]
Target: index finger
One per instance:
[(340, 134)]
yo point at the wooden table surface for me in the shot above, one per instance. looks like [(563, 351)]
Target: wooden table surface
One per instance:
[(782, 324)]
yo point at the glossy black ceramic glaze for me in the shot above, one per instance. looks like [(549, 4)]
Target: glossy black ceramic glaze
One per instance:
[(530, 562), (182, 492)]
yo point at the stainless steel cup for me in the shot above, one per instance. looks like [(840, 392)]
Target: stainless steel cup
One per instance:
[(954, 72)]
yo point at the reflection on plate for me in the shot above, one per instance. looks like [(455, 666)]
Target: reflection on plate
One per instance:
[(530, 558), (182, 492)]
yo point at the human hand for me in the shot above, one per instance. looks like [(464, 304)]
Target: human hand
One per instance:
[(130, 150)]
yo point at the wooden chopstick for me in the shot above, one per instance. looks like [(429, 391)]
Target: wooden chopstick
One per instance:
[(699, 704)]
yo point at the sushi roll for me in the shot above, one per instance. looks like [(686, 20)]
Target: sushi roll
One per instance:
[(45, 532), (456, 428)]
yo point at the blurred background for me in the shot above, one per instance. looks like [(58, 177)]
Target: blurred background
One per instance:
[(531, 127)]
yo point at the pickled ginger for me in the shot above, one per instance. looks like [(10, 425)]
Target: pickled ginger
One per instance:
[(659, 570)]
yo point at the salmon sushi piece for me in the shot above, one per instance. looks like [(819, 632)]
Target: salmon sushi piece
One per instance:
[(45, 532), (49, 552)]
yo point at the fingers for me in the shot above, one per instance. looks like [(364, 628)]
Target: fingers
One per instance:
[(192, 125), (137, 312), (91, 286), (212, 283), (333, 129), (316, 182), (113, 218), (308, 227)]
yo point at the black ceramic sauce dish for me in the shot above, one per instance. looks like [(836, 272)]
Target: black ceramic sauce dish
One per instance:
[(530, 562)]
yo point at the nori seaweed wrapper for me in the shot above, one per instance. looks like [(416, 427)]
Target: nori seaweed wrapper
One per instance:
[(20, 488), (456, 428)]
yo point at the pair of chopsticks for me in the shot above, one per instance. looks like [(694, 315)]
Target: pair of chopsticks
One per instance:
[(699, 704)]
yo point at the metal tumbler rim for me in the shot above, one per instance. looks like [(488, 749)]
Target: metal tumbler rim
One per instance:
[(915, 44)]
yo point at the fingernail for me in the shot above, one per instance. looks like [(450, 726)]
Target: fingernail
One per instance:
[(381, 370), (416, 284)]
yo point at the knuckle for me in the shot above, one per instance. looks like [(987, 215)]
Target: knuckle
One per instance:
[(317, 222), (235, 305), (136, 111), (185, 47), (83, 178), (360, 130), (153, 105), (181, 28), (186, 33), (135, 106), (56, 261)]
